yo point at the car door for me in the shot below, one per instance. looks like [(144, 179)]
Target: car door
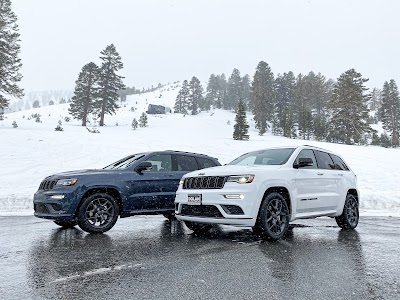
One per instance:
[(154, 189), (308, 185), (329, 178), (344, 176)]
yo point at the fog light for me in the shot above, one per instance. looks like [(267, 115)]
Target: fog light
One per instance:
[(57, 197), (234, 196)]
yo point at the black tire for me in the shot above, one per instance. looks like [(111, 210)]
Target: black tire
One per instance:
[(98, 213), (274, 217), (169, 215), (198, 228), (350, 215), (65, 224)]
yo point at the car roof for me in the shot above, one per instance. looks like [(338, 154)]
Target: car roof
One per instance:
[(178, 152), (317, 148), (296, 147)]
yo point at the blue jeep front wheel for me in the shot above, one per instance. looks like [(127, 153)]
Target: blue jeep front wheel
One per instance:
[(98, 213)]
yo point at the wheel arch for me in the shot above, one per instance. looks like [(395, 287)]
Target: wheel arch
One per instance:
[(282, 190), (354, 192), (112, 191)]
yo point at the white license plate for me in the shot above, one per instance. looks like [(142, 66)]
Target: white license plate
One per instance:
[(194, 199)]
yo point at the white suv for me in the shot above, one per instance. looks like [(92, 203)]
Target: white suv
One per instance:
[(267, 189)]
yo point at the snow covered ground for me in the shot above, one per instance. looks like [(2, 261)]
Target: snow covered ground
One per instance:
[(34, 150)]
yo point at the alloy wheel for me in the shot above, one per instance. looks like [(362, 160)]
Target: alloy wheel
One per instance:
[(100, 212)]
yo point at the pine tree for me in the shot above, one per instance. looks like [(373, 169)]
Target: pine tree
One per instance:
[(241, 128), (304, 117), (181, 102), (195, 96), (385, 140), (143, 120), (376, 100), (36, 104), (321, 91), (59, 127), (246, 91), (62, 101), (222, 91), (390, 111), (262, 96), (212, 91), (86, 93), (10, 64), (14, 124), (178, 102), (110, 83), (284, 108), (234, 90), (134, 124), (51, 102), (349, 109)]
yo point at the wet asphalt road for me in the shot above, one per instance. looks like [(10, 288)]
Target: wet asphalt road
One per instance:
[(152, 258)]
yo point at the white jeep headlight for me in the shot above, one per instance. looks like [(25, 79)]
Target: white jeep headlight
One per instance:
[(241, 178)]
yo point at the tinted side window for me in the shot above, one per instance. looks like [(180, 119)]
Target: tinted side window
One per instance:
[(186, 163), (324, 161), (160, 163), (205, 163), (307, 153), (339, 163)]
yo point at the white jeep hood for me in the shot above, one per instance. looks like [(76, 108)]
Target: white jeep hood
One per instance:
[(229, 170)]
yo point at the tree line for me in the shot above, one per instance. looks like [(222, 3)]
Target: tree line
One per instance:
[(305, 106)]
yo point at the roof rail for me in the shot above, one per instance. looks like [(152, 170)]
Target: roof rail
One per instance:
[(314, 147), (186, 152)]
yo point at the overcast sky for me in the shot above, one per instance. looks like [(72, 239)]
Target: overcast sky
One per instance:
[(168, 40)]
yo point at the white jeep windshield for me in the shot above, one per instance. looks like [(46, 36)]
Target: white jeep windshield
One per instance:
[(264, 157)]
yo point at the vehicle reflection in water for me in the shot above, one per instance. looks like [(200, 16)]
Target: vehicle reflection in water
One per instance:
[(67, 251), (307, 263), (70, 254)]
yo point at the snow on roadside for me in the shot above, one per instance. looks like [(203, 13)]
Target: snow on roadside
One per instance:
[(34, 150)]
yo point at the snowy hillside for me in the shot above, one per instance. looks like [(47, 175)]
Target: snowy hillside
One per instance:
[(34, 150)]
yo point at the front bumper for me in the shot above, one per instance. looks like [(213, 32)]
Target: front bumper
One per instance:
[(48, 208), (216, 209)]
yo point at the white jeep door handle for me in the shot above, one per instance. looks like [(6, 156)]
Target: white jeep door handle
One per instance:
[(319, 173)]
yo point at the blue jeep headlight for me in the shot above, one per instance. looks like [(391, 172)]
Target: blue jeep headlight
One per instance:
[(67, 182)]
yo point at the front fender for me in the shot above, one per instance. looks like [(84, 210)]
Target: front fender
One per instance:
[(272, 183)]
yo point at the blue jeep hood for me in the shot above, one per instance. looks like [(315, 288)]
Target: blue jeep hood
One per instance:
[(79, 173)]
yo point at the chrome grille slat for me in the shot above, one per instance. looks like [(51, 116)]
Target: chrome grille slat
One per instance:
[(204, 182)]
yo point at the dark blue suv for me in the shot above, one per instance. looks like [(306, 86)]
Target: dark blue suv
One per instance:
[(143, 183)]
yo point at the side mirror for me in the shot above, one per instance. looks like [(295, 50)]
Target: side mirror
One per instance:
[(303, 162), (144, 166)]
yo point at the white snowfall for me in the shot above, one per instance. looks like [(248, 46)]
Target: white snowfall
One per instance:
[(33, 151)]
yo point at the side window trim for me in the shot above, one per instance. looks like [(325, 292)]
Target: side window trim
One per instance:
[(315, 159), (342, 164), (318, 165), (200, 166), (175, 162), (189, 157), (155, 155)]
